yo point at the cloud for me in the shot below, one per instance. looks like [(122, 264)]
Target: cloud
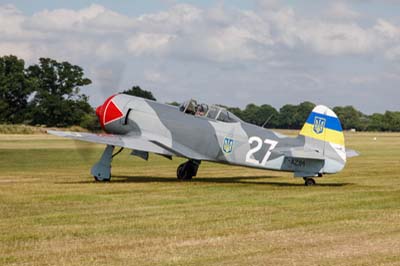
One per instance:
[(149, 43), (321, 36), (173, 20), (340, 10), (217, 34), (271, 53), (94, 18), (22, 50), (154, 76), (387, 29), (393, 54), (338, 39)]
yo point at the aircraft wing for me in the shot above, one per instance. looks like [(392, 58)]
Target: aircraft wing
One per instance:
[(131, 142), (183, 151)]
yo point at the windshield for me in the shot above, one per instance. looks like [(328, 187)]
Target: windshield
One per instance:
[(226, 116), (212, 112), (221, 114)]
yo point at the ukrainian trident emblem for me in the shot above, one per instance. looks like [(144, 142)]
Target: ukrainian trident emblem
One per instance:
[(228, 145), (319, 125)]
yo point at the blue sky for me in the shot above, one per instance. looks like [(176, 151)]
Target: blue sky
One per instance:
[(138, 7), (127, 7), (228, 52)]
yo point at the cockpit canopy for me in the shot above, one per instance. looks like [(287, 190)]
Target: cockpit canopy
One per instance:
[(214, 112)]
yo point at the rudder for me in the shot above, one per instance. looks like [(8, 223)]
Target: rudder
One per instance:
[(324, 125)]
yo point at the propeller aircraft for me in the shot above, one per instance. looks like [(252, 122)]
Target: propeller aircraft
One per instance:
[(201, 132)]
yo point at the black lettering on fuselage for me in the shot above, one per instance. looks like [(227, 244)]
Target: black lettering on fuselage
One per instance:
[(297, 162)]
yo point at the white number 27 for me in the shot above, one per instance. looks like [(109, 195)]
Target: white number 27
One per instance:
[(272, 144)]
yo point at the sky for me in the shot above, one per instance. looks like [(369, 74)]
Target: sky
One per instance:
[(233, 53)]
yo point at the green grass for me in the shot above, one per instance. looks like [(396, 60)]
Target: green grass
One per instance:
[(52, 213)]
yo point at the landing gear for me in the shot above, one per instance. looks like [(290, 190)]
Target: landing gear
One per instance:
[(101, 171), (187, 170), (309, 181), (100, 179)]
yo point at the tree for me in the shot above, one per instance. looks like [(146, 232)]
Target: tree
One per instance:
[(15, 89), (303, 111), (294, 116), (349, 117), (236, 111), (375, 122), (258, 115), (391, 121), (174, 103), (287, 116), (137, 91), (268, 115), (58, 101)]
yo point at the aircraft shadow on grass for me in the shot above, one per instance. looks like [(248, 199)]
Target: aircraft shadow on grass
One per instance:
[(213, 180)]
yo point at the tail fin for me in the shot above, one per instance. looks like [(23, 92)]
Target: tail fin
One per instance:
[(324, 132)]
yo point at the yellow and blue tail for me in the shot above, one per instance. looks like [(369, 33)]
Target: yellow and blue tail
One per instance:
[(324, 125)]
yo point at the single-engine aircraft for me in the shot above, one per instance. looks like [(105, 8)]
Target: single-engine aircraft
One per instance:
[(201, 132)]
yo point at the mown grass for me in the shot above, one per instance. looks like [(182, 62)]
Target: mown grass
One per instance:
[(52, 213), (27, 130)]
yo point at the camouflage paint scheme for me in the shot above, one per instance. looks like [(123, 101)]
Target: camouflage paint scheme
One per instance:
[(148, 126)]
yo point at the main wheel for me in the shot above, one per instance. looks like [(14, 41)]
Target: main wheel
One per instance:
[(179, 171), (184, 171), (309, 182)]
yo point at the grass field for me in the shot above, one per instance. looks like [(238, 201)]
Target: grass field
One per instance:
[(52, 213)]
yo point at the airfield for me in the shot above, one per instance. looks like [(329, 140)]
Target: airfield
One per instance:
[(53, 213)]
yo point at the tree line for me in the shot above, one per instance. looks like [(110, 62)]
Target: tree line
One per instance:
[(49, 93), (294, 116)]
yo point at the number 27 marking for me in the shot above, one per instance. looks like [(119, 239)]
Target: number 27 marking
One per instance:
[(272, 145)]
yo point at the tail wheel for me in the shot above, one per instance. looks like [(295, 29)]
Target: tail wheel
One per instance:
[(101, 179), (309, 182)]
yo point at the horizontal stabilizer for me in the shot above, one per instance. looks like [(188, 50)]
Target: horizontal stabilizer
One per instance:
[(301, 153), (351, 153)]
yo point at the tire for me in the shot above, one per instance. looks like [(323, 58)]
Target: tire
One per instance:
[(184, 171), (101, 180), (309, 182), (179, 172)]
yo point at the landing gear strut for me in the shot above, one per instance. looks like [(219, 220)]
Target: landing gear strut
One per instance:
[(101, 171), (187, 170)]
